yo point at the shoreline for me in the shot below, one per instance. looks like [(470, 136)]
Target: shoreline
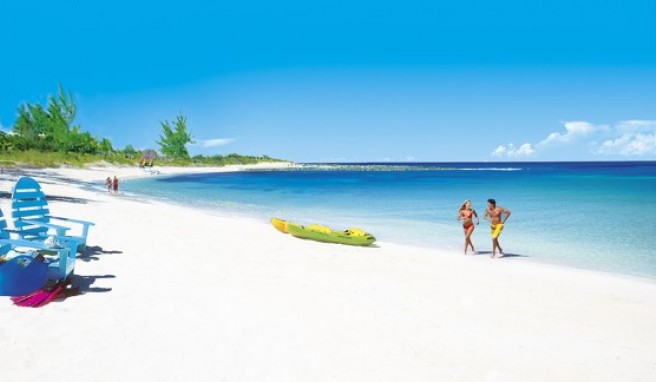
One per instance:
[(133, 172), (214, 295), (535, 261), (96, 175), (99, 173), (529, 261)]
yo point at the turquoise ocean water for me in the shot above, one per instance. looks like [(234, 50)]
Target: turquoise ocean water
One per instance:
[(595, 215)]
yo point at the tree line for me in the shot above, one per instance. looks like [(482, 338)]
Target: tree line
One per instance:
[(50, 128)]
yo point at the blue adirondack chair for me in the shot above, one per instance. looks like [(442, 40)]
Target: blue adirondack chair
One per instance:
[(60, 260), (32, 219)]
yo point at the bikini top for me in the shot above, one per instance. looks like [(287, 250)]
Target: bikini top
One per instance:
[(467, 214)]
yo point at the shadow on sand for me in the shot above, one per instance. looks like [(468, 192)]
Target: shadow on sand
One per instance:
[(57, 198), (91, 253), (46, 177), (84, 283), (505, 255), (67, 199), (81, 284)]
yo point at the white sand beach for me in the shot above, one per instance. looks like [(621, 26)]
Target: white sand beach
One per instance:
[(172, 293)]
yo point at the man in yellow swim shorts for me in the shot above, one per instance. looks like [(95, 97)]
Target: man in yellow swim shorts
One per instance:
[(493, 214)]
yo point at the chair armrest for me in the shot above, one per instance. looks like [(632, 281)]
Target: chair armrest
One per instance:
[(71, 242), (71, 220), (66, 239), (29, 244), (47, 225)]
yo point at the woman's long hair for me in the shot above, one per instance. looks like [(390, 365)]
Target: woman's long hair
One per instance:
[(463, 206)]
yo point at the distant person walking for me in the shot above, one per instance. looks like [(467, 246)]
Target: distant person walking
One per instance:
[(494, 215), (115, 184), (467, 215), (108, 184)]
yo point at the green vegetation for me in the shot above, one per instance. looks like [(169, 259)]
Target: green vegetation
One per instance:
[(51, 129), (219, 160), (33, 158), (46, 136), (172, 142)]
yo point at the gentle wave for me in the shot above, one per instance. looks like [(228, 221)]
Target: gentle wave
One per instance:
[(384, 167), (489, 169), (561, 212)]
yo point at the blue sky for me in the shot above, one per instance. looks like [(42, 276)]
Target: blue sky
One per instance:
[(351, 81)]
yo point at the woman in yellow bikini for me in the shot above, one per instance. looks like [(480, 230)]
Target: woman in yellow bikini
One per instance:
[(467, 214)]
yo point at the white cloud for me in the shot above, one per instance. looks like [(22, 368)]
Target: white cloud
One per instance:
[(630, 144), (625, 138), (214, 142), (637, 138), (573, 130), (525, 150), (499, 151), (637, 126)]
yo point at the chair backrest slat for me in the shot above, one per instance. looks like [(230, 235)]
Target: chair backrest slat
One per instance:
[(3, 227), (30, 193), (25, 203), (29, 202), (4, 234), (32, 214)]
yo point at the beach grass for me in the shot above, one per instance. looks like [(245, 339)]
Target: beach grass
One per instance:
[(218, 160), (34, 158)]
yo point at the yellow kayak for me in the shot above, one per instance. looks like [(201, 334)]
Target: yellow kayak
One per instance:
[(280, 225), (352, 236)]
